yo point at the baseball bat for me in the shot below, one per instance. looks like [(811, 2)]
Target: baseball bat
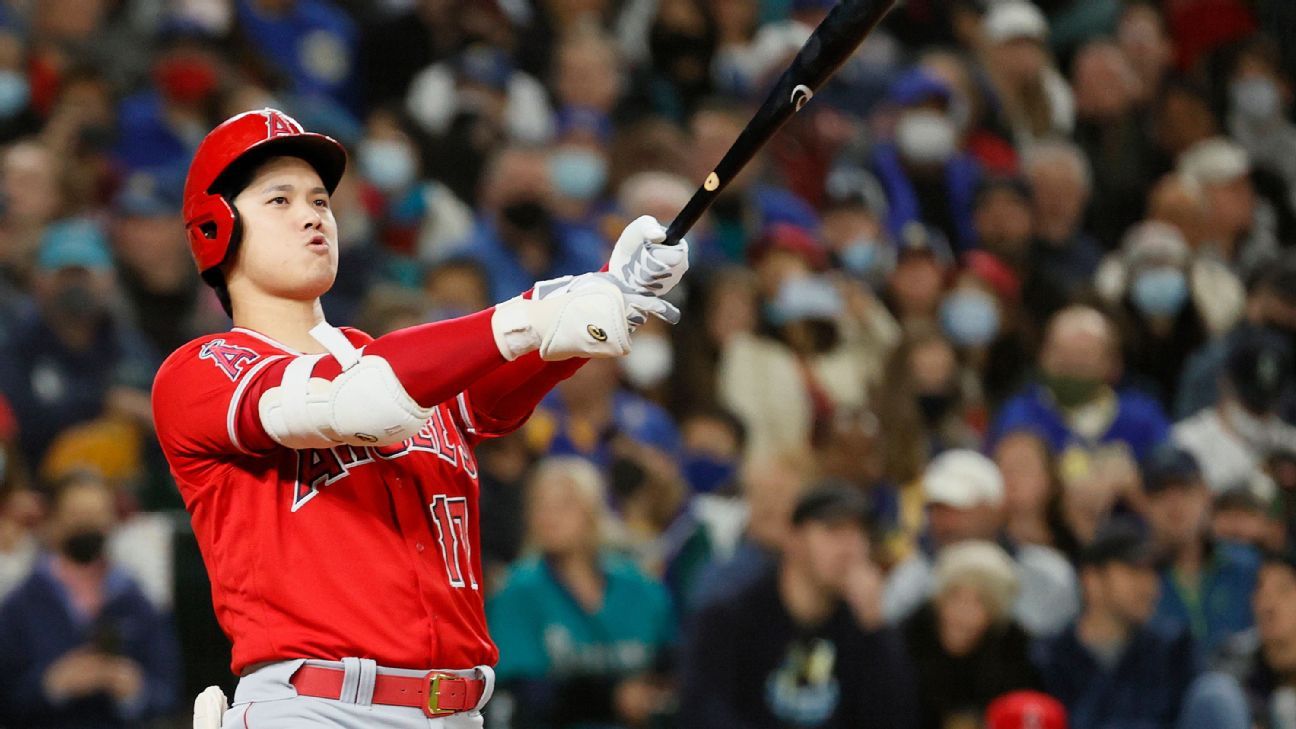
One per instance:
[(836, 38)]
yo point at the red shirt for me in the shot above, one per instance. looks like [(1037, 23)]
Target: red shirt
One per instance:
[(350, 551)]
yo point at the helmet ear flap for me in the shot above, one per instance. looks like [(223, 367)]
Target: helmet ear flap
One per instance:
[(213, 228)]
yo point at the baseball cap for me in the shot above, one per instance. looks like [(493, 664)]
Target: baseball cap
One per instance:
[(831, 502), (148, 195), (1013, 19), (485, 65), (1259, 369), (75, 243), (584, 121), (962, 479), (1015, 184), (1214, 161), (917, 238), (1169, 465), (857, 187), (1026, 710), (792, 238), (1119, 540), (917, 86), (994, 272), (803, 298), (1153, 242)]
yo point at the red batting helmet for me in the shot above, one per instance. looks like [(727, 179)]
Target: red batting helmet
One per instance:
[(1026, 710), (211, 220)]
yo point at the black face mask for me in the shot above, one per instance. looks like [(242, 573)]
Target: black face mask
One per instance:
[(685, 57), (77, 302), (934, 406), (84, 547)]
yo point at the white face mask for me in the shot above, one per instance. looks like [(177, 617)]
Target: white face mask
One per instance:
[(926, 137), (650, 361)]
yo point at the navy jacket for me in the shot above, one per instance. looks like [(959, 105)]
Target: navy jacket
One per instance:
[(38, 626), (1145, 689)]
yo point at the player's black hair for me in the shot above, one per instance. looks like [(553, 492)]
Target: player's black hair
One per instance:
[(228, 185)]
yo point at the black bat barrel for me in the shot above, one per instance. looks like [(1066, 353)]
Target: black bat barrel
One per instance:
[(836, 38)]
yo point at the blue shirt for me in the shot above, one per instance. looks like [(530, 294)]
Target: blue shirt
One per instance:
[(1140, 423), (637, 418), (579, 250), (147, 141), (315, 43), (1221, 606), (39, 624)]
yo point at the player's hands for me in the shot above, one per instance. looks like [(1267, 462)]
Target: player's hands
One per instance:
[(641, 262), (638, 305), (637, 699), (564, 322)]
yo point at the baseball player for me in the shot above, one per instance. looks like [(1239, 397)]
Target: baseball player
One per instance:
[(329, 475)]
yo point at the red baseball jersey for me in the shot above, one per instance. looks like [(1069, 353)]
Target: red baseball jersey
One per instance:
[(346, 551)]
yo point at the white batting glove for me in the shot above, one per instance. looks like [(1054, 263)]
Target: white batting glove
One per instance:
[(641, 262), (583, 316), (638, 305)]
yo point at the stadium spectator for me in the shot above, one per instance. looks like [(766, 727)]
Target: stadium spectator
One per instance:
[(1206, 585), (82, 642), (802, 643), (579, 629), (1117, 667), (73, 358), (1234, 437), (964, 495), (965, 646), (1075, 404)]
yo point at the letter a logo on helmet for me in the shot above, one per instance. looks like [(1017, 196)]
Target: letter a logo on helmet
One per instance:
[(210, 219)]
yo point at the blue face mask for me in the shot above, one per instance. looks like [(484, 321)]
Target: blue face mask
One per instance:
[(14, 93), (868, 258), (707, 473), (969, 317), (577, 173), (388, 164), (1160, 292)]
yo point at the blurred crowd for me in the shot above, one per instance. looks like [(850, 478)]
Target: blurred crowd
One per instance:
[(982, 412)]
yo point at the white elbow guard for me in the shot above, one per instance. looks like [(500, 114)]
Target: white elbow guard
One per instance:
[(365, 405)]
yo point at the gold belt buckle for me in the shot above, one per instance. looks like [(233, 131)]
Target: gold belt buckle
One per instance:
[(433, 707)]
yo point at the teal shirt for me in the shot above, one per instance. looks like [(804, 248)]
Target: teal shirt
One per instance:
[(542, 632)]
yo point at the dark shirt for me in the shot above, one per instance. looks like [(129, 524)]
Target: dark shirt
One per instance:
[(1143, 690), (39, 625), (950, 685), (748, 665), (51, 387)]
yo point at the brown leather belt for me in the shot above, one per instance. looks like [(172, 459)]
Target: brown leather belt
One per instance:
[(436, 693)]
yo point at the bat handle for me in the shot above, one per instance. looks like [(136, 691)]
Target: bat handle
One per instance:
[(697, 205)]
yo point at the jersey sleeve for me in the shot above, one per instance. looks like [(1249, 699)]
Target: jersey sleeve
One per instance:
[(202, 392)]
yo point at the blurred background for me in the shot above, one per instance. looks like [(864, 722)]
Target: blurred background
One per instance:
[(984, 385)]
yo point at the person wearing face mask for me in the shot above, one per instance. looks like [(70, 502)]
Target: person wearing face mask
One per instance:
[(73, 358), (1074, 404), (516, 236), (927, 175), (578, 165), (1162, 312), (82, 642), (421, 216), (854, 225), (159, 127), (1260, 97), (1233, 439)]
